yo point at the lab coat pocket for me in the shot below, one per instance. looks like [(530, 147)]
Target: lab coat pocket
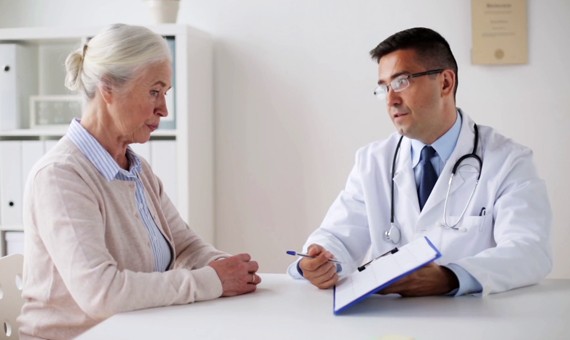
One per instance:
[(474, 223), (469, 238)]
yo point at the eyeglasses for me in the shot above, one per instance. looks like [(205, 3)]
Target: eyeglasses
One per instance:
[(401, 83)]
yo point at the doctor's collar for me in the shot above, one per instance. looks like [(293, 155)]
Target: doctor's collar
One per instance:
[(443, 146)]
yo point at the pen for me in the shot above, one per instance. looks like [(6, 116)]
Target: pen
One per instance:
[(483, 212), (391, 251), (294, 253)]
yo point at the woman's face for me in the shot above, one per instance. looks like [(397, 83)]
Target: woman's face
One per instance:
[(137, 106)]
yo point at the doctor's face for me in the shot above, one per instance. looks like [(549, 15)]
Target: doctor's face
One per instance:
[(418, 111)]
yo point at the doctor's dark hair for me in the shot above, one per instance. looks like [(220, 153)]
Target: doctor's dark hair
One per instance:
[(431, 48), (113, 57)]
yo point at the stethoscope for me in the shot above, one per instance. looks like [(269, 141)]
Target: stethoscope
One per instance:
[(393, 234)]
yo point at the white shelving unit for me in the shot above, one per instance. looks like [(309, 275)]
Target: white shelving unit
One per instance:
[(192, 136)]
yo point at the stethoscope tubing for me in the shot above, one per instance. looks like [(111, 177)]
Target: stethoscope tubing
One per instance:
[(393, 234)]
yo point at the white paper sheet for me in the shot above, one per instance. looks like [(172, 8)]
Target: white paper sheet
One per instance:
[(383, 271)]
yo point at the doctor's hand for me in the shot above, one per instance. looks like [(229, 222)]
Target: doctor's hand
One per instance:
[(237, 274), (319, 270), (431, 279)]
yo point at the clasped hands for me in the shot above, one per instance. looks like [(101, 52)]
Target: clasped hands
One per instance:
[(237, 274), (431, 279)]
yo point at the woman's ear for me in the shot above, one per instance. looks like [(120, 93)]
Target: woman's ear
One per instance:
[(105, 88), (449, 82)]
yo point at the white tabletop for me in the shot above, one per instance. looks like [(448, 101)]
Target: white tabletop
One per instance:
[(283, 308)]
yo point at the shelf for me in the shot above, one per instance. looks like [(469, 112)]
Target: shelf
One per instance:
[(42, 35), (35, 35), (52, 133), (11, 228)]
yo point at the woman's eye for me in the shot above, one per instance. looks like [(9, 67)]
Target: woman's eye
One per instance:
[(154, 93)]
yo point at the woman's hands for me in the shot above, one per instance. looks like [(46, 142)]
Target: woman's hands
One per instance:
[(237, 273)]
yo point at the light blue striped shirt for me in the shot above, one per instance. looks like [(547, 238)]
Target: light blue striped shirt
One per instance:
[(109, 169)]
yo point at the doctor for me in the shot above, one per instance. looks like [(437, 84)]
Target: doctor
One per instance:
[(491, 223)]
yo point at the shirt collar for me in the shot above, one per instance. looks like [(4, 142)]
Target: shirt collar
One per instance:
[(98, 156), (443, 146)]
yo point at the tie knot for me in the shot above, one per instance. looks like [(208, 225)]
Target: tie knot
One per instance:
[(427, 153)]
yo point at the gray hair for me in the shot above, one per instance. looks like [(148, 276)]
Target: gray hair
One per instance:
[(113, 56)]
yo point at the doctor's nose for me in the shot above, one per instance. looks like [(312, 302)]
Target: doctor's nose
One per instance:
[(393, 98)]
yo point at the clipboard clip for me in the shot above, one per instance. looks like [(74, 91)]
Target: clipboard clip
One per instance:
[(391, 251)]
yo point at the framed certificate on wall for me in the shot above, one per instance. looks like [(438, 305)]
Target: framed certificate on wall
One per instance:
[(499, 32)]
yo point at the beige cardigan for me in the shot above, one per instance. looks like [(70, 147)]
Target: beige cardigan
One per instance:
[(88, 255)]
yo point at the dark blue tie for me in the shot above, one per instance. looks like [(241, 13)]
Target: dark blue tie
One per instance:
[(428, 177)]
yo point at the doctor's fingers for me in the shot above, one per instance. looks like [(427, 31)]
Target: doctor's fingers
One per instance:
[(316, 250), (324, 276), (426, 281), (320, 262), (326, 280), (398, 287)]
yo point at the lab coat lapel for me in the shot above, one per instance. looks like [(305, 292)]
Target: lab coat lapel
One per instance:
[(405, 193)]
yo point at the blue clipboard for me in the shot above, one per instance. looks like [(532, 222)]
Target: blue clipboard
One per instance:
[(382, 272)]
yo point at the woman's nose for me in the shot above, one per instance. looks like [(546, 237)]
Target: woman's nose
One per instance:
[(162, 108)]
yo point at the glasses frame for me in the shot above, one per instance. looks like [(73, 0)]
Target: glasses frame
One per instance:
[(382, 90)]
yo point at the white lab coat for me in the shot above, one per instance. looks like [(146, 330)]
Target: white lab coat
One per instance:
[(508, 247)]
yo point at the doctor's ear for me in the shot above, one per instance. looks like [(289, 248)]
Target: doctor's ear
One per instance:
[(449, 81)]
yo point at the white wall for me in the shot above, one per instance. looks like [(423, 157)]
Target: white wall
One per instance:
[(293, 100)]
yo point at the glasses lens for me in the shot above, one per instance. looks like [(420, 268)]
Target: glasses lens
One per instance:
[(381, 91), (400, 83)]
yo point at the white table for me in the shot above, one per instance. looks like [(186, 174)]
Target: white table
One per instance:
[(283, 308)]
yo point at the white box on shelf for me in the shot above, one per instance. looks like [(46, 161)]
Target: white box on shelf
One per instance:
[(18, 69), (163, 162), (53, 111), (14, 242), (11, 183)]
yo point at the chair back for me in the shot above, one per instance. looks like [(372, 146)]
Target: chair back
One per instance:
[(11, 301)]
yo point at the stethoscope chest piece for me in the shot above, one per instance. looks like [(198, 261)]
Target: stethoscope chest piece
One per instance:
[(392, 234)]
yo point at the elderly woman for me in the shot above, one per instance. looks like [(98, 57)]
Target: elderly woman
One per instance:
[(102, 237)]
